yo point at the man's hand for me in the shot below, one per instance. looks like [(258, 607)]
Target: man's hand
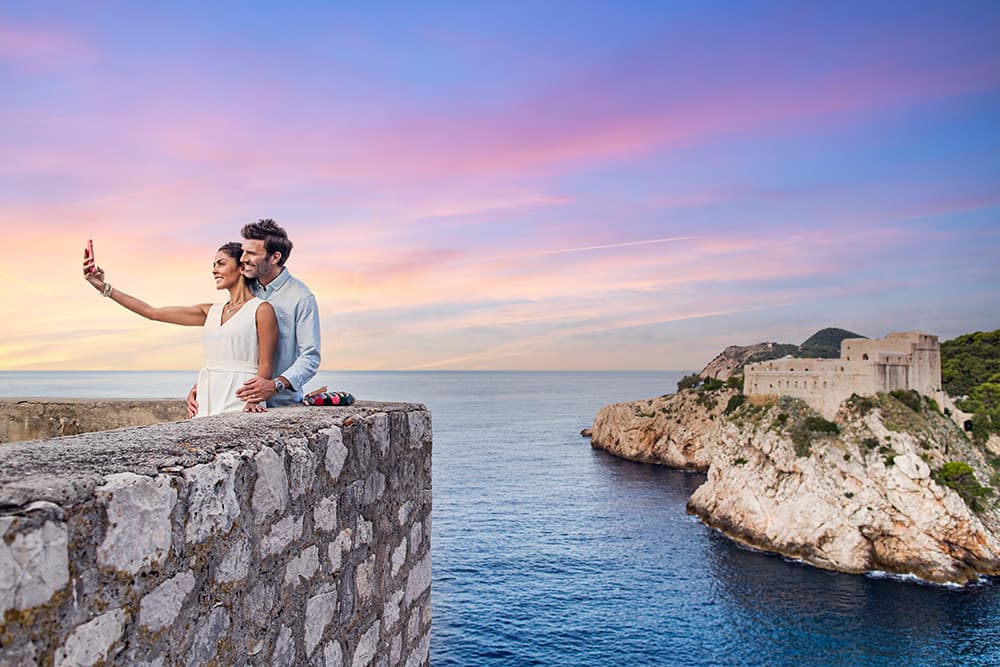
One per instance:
[(192, 401), (256, 390)]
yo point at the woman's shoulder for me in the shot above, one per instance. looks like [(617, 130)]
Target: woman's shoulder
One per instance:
[(262, 307)]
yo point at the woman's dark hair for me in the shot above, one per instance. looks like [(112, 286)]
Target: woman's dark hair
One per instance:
[(274, 237), (235, 250)]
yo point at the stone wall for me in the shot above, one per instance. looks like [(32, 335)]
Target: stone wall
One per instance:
[(296, 537), (41, 418)]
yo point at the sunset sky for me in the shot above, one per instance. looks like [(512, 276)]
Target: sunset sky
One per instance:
[(505, 185)]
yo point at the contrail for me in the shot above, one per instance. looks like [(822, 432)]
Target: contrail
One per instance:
[(606, 246)]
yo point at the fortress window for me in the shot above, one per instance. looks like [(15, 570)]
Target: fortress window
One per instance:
[(864, 357)]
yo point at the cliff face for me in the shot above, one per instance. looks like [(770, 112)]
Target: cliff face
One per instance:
[(887, 488), (678, 430)]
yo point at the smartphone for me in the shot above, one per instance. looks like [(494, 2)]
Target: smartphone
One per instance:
[(89, 254)]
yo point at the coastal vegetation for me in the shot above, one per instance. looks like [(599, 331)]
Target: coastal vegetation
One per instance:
[(959, 476), (970, 371)]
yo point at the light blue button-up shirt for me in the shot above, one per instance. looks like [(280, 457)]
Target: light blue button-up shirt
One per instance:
[(298, 353)]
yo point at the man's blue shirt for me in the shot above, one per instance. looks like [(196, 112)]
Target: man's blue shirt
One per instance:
[(297, 356)]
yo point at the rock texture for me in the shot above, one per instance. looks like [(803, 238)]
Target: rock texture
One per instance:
[(677, 430), (860, 500), (868, 497), (296, 537), (735, 357)]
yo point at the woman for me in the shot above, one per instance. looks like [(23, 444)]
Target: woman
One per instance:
[(240, 336)]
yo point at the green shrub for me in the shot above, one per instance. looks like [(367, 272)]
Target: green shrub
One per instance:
[(870, 443), (861, 404), (985, 424), (712, 384), (908, 397), (688, 382), (734, 403), (740, 462), (932, 405), (735, 382), (817, 424), (706, 400), (890, 460), (959, 476)]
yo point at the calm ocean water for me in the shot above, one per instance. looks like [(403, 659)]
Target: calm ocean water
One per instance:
[(549, 553)]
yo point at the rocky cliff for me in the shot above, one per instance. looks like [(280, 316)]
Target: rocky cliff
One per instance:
[(676, 430), (888, 486)]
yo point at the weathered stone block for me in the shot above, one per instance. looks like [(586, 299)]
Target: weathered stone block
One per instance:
[(420, 429), (398, 557), (138, 529), (365, 650), (419, 579), (320, 610), (270, 492), (364, 579), (210, 632), (303, 566), (336, 452), (212, 502), (333, 654), (235, 564), (90, 642), (325, 514), (303, 467), (161, 606), (338, 548), (33, 565), (281, 535)]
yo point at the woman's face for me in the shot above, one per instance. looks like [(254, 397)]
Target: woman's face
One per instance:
[(225, 270)]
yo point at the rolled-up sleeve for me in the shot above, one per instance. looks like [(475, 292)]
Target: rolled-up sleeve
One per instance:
[(307, 337)]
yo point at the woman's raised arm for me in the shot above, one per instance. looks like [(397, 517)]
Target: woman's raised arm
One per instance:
[(192, 316)]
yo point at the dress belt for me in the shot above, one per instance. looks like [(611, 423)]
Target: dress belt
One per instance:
[(232, 367)]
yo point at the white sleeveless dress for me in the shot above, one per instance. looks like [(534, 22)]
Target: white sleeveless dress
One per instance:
[(231, 354)]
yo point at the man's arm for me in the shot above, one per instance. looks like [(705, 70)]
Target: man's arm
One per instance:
[(307, 335), (306, 364)]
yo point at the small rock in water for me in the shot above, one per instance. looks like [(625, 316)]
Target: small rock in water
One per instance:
[(586, 433)]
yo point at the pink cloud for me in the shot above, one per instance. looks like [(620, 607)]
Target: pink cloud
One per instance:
[(43, 47)]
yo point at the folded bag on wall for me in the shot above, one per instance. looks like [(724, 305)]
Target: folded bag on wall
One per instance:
[(329, 398)]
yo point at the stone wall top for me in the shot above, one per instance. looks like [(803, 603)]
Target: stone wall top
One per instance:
[(40, 418), (66, 470)]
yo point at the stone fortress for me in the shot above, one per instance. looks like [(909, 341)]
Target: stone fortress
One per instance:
[(910, 360)]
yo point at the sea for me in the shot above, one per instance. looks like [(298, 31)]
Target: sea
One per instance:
[(547, 552)]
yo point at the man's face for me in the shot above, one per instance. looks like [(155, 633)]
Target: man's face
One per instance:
[(256, 262)]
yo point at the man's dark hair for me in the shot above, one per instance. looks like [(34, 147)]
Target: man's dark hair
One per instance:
[(274, 237)]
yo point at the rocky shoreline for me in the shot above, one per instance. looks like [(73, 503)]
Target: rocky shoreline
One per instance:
[(887, 486)]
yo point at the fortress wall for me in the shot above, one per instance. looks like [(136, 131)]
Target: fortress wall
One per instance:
[(823, 386), (296, 537), (898, 361)]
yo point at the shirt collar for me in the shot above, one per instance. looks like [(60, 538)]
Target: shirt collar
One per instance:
[(275, 284)]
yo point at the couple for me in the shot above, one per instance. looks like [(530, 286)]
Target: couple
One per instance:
[(271, 321)]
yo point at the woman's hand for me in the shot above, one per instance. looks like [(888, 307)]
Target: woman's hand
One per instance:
[(252, 406), (91, 273)]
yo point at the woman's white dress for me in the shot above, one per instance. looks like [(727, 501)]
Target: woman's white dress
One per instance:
[(231, 354)]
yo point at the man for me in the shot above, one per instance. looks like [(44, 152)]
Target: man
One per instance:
[(266, 248)]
